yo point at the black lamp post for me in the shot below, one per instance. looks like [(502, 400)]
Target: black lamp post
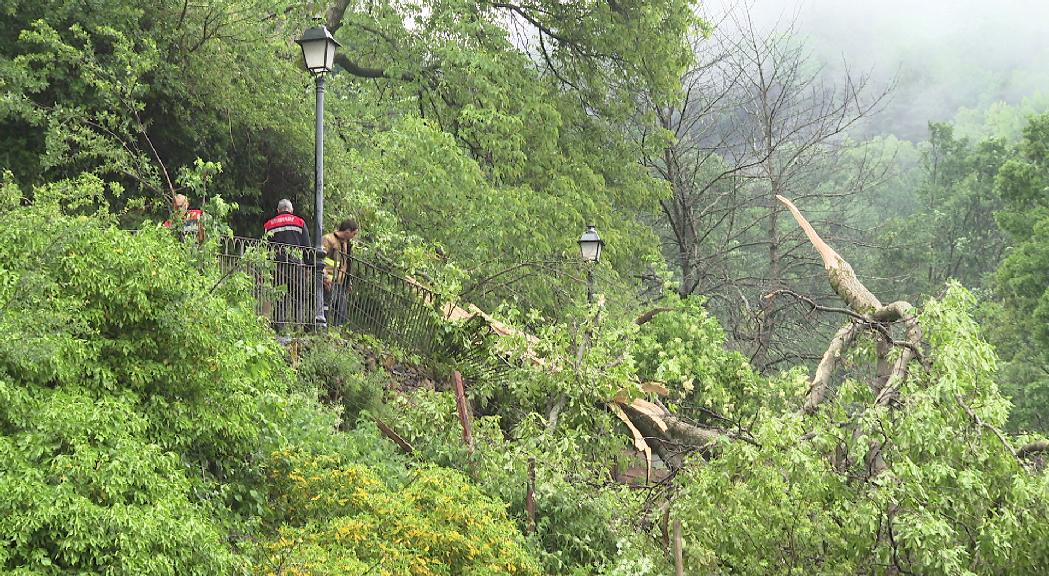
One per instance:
[(590, 245), (318, 52)]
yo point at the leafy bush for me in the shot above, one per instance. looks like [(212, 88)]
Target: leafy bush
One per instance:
[(130, 388), (684, 348), (148, 425), (333, 370), (341, 518), (582, 525), (954, 499), (83, 490)]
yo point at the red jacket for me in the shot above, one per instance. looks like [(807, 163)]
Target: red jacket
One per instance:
[(287, 228), (190, 224)]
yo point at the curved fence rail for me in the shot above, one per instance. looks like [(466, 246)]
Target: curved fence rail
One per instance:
[(366, 296)]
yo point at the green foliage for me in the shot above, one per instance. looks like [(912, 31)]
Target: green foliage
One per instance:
[(1000, 120), (1019, 321), (150, 425), (334, 372), (147, 426), (130, 91), (582, 524), (952, 233), (465, 130), (100, 308), (132, 383), (684, 348), (980, 220), (954, 499), (10, 193), (83, 489), (341, 518), (113, 109)]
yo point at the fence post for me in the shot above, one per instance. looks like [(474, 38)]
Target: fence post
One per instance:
[(530, 497), (679, 562), (464, 410)]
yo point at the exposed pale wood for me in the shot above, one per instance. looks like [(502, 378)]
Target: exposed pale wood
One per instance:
[(655, 388), (677, 433), (827, 366), (862, 301), (652, 411), (842, 278), (639, 439)]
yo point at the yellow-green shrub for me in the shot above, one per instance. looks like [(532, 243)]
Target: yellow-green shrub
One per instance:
[(339, 518)]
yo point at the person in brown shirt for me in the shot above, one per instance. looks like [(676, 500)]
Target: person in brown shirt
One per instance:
[(337, 283)]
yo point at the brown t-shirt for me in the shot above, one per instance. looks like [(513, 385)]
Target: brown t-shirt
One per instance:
[(336, 255)]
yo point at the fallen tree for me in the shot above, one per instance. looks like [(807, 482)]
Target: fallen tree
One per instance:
[(866, 315), (892, 461), (889, 458)]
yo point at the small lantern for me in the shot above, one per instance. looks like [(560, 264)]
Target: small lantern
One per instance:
[(318, 49), (590, 245)]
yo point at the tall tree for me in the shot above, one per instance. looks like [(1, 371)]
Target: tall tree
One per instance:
[(760, 119), (509, 117), (952, 233), (135, 92), (1020, 321), (445, 116)]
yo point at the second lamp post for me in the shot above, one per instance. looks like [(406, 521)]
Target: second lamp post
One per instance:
[(590, 245), (318, 52)]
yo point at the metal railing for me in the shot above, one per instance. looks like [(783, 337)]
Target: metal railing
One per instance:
[(367, 296), (283, 279)]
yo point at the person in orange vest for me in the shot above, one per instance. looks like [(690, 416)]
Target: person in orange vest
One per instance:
[(289, 234), (337, 283), (187, 220)]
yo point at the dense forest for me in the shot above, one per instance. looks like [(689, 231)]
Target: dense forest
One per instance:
[(817, 347)]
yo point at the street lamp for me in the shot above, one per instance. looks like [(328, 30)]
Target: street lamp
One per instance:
[(590, 245), (318, 53)]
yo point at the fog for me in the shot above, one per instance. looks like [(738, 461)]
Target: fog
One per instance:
[(941, 54)]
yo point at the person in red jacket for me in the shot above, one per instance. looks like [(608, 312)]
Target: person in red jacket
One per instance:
[(290, 238), (185, 219)]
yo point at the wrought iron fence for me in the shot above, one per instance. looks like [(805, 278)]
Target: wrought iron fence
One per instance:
[(283, 279), (367, 296)]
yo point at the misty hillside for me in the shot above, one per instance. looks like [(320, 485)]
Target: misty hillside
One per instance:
[(942, 56)]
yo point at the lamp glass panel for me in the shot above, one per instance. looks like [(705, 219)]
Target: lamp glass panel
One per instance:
[(590, 250), (329, 53), (313, 53)]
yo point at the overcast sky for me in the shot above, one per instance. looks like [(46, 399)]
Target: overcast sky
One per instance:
[(945, 54)]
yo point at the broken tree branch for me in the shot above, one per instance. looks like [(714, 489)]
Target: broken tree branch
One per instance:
[(981, 424), (648, 316), (864, 303), (844, 338), (393, 436), (530, 498), (464, 410), (816, 307), (842, 278), (665, 428), (1028, 450)]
